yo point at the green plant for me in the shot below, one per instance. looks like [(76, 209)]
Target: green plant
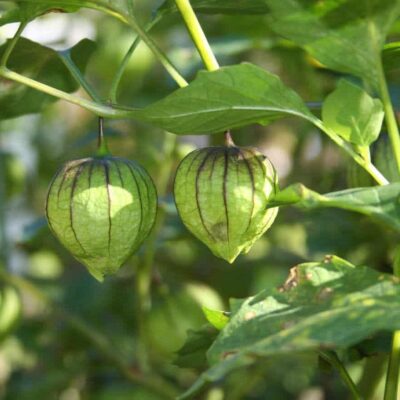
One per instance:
[(330, 310)]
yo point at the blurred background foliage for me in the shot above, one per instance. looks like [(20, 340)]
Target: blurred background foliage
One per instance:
[(73, 350)]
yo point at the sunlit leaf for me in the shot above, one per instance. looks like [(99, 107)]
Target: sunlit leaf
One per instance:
[(354, 115), (218, 319), (227, 98), (324, 305)]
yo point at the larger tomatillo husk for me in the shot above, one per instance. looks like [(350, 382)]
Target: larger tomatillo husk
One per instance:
[(101, 209), (222, 195)]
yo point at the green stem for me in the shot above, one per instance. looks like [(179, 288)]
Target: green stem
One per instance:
[(392, 376), (363, 162), (132, 22), (121, 69), (197, 34), (102, 148), (3, 236), (76, 73), (162, 57), (390, 117), (12, 44), (154, 383), (374, 368), (334, 360), (98, 109)]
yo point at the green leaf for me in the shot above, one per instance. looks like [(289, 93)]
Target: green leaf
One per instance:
[(323, 305), (378, 202), (227, 98), (193, 353), (354, 115), (220, 7), (218, 319), (344, 35), (46, 66), (28, 11)]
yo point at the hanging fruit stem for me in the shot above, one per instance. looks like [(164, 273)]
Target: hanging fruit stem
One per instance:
[(228, 139), (102, 148)]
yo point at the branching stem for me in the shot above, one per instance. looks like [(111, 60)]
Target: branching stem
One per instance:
[(78, 76), (122, 67)]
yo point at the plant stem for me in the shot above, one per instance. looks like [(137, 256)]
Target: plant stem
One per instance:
[(374, 368), (121, 69), (334, 360), (364, 163), (76, 73), (197, 34), (98, 109), (390, 117), (162, 57), (102, 148), (3, 236), (228, 139), (12, 44), (133, 23), (392, 376), (154, 383)]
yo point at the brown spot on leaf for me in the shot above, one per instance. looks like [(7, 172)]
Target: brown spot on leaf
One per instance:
[(292, 281), (249, 315), (324, 294), (287, 324), (328, 259), (228, 354)]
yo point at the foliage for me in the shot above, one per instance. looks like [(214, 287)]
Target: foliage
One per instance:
[(309, 84)]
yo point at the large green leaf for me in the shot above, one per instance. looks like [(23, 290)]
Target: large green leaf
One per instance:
[(353, 114), (327, 305), (379, 202), (344, 35), (44, 65), (227, 98), (220, 6)]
